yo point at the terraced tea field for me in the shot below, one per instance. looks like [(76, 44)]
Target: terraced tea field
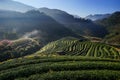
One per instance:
[(82, 48), (60, 68), (65, 59)]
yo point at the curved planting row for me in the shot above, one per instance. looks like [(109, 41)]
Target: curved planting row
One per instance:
[(60, 68), (76, 75), (75, 47)]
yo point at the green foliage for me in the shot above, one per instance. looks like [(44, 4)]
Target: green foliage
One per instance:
[(60, 67), (17, 48), (77, 47), (76, 75)]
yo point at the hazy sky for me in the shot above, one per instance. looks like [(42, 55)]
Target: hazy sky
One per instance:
[(79, 7)]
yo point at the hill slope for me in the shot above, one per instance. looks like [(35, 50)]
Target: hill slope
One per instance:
[(77, 25), (112, 24), (17, 48), (31, 24), (78, 47)]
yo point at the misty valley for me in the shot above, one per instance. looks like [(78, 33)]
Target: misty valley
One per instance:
[(53, 44)]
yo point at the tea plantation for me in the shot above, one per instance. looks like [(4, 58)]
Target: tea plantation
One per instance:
[(78, 47), (60, 68)]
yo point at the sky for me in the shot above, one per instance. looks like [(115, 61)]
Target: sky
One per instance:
[(81, 8)]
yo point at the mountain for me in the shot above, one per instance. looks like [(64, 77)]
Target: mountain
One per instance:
[(33, 24), (75, 24), (97, 16), (74, 46), (59, 15), (14, 6), (78, 25), (112, 24)]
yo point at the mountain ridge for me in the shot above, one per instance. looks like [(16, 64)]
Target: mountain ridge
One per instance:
[(32, 21), (14, 6), (97, 16), (112, 24), (78, 25)]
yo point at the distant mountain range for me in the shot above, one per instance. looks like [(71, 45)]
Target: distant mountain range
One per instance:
[(97, 16), (47, 24)]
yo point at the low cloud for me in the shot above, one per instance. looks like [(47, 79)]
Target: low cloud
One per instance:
[(30, 34)]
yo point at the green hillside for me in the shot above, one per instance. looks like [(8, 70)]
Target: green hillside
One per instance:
[(73, 46), (60, 68), (112, 24), (17, 48)]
